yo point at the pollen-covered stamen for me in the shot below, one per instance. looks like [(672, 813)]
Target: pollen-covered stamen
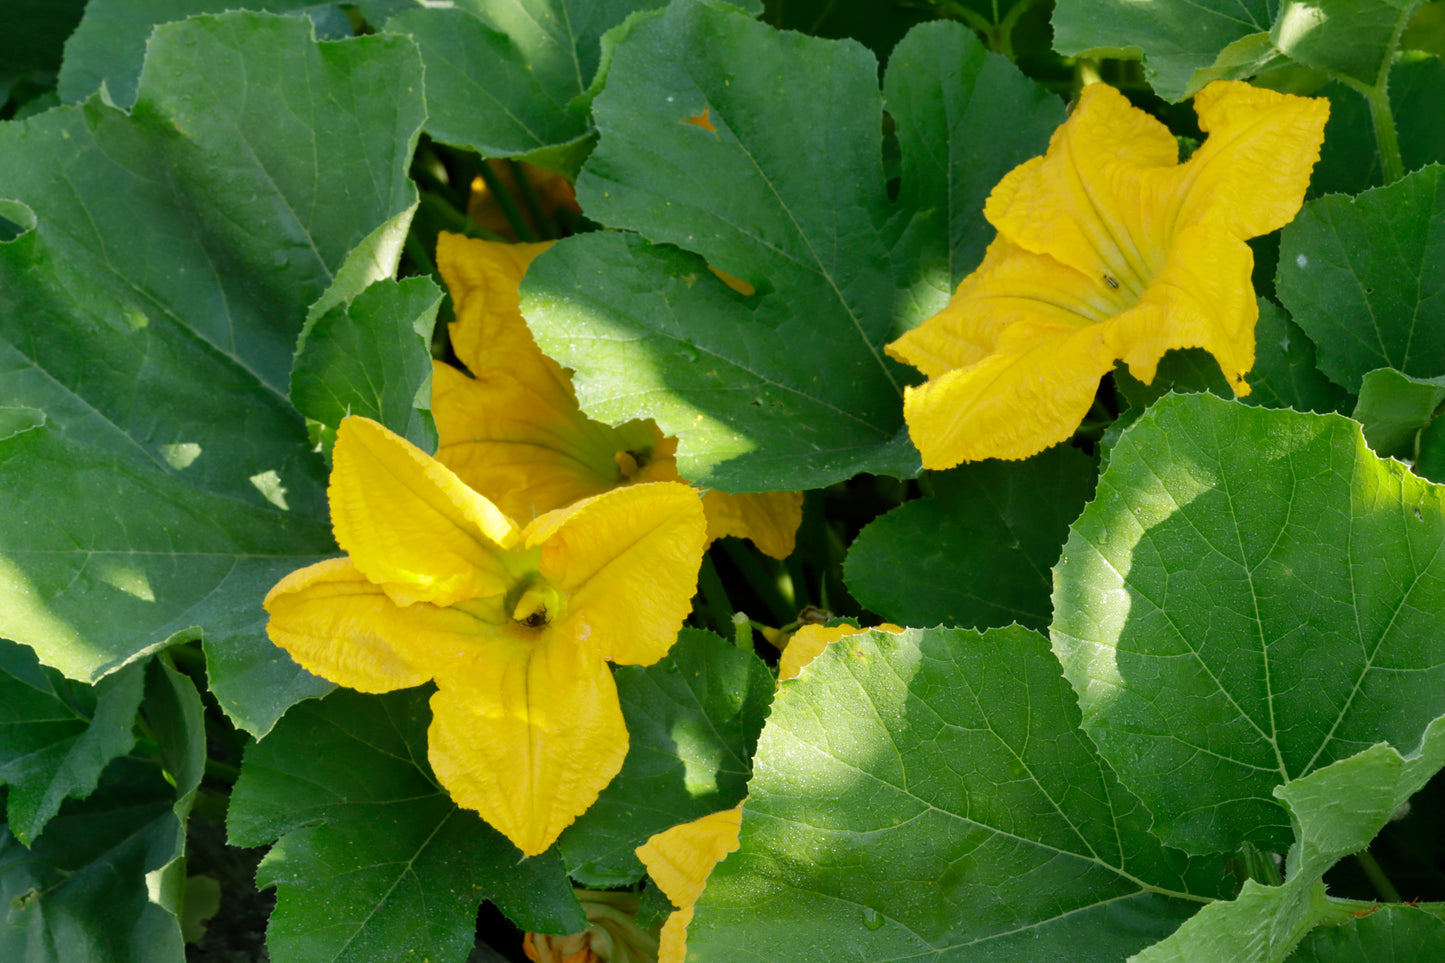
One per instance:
[(531, 609), (629, 463)]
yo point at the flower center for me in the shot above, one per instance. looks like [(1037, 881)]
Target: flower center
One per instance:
[(534, 602), (632, 462)]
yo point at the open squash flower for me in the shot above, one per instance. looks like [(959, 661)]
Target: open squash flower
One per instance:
[(515, 624), (514, 431), (1108, 249)]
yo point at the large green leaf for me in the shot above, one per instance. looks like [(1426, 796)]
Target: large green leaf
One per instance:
[(1188, 43), (929, 796), (150, 313), (787, 387), (1184, 43), (374, 861), (692, 721), (1346, 168), (1365, 278), (507, 80), (978, 552), (57, 735), (80, 891), (1335, 811), (1251, 596), (109, 45), (1344, 38), (1392, 934), (1394, 409), (372, 357)]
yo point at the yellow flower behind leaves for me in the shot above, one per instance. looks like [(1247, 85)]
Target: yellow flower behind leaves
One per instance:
[(679, 860), (514, 431), (1108, 249), (516, 624)]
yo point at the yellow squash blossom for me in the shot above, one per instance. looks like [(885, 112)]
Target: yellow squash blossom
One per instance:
[(515, 624), (514, 431), (1108, 249), (679, 860)]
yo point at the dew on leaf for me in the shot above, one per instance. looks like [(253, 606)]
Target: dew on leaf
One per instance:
[(871, 919)]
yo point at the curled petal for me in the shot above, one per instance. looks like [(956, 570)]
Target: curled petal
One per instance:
[(680, 860), (527, 734), (769, 519), (410, 525), (1031, 394), (1255, 166), (483, 278), (628, 561), (340, 626)]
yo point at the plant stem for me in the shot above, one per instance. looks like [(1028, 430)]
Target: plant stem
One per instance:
[(1392, 166), (509, 207), (1377, 877), (714, 596)]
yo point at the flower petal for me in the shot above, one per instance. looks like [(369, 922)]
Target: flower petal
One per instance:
[(525, 447), (1012, 286), (484, 278), (1202, 298), (410, 525), (1079, 203), (527, 733), (1031, 394), (680, 860), (340, 626), (1256, 164), (628, 562), (809, 642), (769, 519)]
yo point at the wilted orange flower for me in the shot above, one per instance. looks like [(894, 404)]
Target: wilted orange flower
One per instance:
[(514, 431), (1108, 249), (516, 624)]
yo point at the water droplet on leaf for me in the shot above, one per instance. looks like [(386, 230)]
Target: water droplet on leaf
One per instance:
[(871, 919)]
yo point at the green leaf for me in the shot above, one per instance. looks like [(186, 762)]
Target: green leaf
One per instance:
[(1285, 374), (1394, 408), (1184, 43), (929, 795), (507, 80), (56, 735), (80, 891), (1345, 168), (176, 720), (1251, 596), (693, 721), (787, 387), (978, 552), (151, 314), (18, 420), (1350, 38), (1392, 934), (109, 45), (1365, 278), (1335, 811), (374, 861), (372, 357)]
